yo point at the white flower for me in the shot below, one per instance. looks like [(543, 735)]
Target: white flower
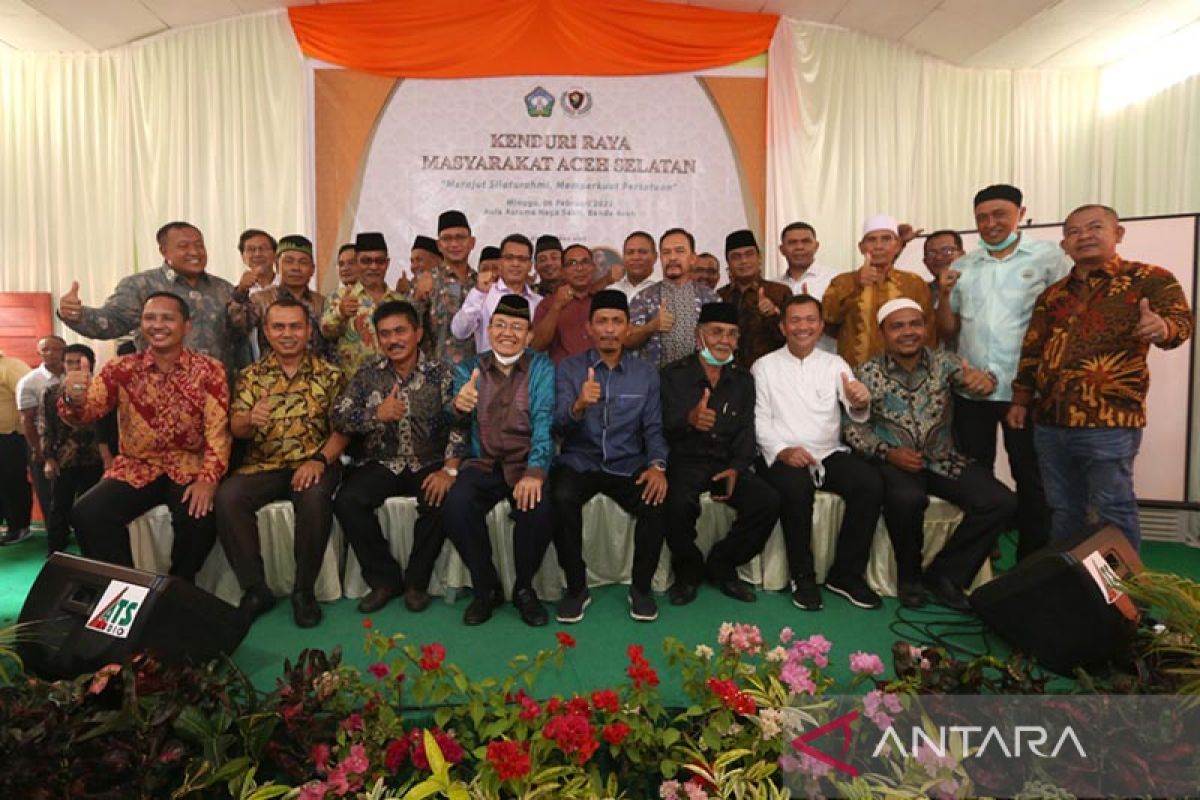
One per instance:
[(704, 651)]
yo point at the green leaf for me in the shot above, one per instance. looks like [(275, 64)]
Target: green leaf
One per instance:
[(437, 761), (268, 792), (426, 788), (442, 716), (670, 736)]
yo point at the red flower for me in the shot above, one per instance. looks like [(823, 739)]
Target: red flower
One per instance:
[(554, 705), (320, 756), (451, 750), (396, 754), (639, 669), (579, 705), (509, 759), (354, 722), (615, 732), (379, 670), (565, 640), (606, 700), (367, 623), (530, 710), (432, 656), (731, 697), (573, 735)]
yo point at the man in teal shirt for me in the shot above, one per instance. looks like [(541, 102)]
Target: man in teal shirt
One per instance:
[(986, 298)]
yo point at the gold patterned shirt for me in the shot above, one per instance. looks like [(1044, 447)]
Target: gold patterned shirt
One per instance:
[(853, 309), (354, 338)]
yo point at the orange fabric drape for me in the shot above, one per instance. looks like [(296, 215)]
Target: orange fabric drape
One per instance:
[(481, 38)]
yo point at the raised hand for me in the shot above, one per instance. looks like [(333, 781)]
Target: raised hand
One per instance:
[(70, 307), (701, 417), (247, 281), (907, 233), (868, 273), (563, 295), (260, 412), (1150, 326), (855, 392), (348, 307), (75, 384), (946, 281), (392, 408), (424, 285), (485, 279), (765, 306), (589, 393), (468, 396), (665, 320)]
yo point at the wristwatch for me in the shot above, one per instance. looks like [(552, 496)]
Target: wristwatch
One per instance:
[(319, 456), (451, 471)]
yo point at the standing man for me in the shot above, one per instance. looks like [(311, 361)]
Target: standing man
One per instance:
[(506, 396), (942, 248), (15, 500), (708, 418), (1083, 372), (548, 259), (296, 267), (347, 264), (909, 432), (474, 318), (173, 404), (986, 300), (560, 323), (853, 299), (639, 256), (665, 315), (707, 270), (346, 319), (757, 300), (422, 260), (801, 392), (282, 406), (211, 329), (396, 410), (31, 390), (805, 275), (257, 249), (452, 280), (609, 413)]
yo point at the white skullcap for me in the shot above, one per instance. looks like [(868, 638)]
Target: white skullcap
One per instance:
[(895, 305), (881, 222)]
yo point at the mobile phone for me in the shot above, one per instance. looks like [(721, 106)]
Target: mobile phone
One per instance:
[(719, 487)]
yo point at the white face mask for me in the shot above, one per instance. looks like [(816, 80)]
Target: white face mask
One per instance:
[(507, 361)]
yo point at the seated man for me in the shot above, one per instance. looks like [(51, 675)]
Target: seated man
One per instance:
[(801, 393), (560, 321), (74, 454), (173, 404), (909, 433), (506, 396), (708, 418), (609, 413), (281, 406), (396, 408)]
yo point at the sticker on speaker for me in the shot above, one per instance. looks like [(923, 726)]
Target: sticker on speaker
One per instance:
[(1103, 575), (117, 609)]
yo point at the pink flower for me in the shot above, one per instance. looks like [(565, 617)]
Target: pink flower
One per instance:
[(356, 762), (815, 648), (866, 663), (786, 635), (379, 670), (320, 756), (695, 791), (352, 723), (669, 790), (739, 637), (313, 790), (798, 678)]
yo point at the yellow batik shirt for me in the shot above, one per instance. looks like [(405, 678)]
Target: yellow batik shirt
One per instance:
[(300, 408)]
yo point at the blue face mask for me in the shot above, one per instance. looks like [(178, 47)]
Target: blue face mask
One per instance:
[(1008, 242), (712, 360)]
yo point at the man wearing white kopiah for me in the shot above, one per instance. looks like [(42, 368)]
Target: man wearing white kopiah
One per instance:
[(801, 392)]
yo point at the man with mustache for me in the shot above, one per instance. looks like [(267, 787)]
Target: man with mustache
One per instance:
[(757, 300), (294, 259), (548, 261), (347, 264), (346, 319), (449, 284), (639, 255), (474, 318), (664, 316), (281, 407), (560, 322)]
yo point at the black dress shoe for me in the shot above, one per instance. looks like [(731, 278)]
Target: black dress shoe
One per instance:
[(305, 610), (911, 595), (376, 599), (680, 593), (257, 601), (533, 613), (945, 593), (738, 589), (479, 611), (416, 600)]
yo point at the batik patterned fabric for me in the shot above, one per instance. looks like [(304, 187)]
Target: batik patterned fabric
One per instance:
[(300, 410), (69, 445), (355, 338), (174, 423), (684, 302), (758, 334), (253, 307), (445, 301), (854, 309), (1082, 363), (910, 409)]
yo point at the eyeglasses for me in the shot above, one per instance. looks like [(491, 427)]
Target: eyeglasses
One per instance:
[(514, 258), (367, 261), (942, 251), (579, 262), (500, 326)]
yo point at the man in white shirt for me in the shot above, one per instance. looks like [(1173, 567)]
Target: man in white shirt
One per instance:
[(639, 256), (516, 256), (31, 389), (798, 245), (801, 391)]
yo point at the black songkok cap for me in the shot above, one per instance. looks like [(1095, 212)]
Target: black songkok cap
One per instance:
[(719, 312), (428, 244), (609, 298), (513, 305), (546, 243), (999, 191), (491, 252), (742, 238), (368, 242), (452, 219)]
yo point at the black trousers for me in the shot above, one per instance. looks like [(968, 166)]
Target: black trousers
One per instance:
[(365, 490), (70, 484), (570, 490), (975, 424), (987, 505), (43, 487), (757, 507), (16, 502), (852, 479), (101, 517), (241, 496), (464, 514)]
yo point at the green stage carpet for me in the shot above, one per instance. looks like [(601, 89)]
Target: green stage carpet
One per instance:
[(599, 659)]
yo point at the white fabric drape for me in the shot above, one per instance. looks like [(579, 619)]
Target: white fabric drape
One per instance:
[(97, 151)]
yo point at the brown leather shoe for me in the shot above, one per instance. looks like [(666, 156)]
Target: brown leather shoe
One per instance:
[(416, 600), (377, 599)]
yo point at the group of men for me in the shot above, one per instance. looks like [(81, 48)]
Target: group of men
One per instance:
[(466, 387)]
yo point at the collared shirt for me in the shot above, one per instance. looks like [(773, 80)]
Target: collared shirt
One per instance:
[(854, 309), (472, 319), (799, 403), (300, 409), (69, 445), (512, 424), (547, 288), (214, 331), (684, 301), (570, 333), (994, 300), (731, 442), (174, 423), (11, 372), (444, 302), (632, 290), (813, 282), (422, 437), (758, 334), (622, 432), (355, 338), (32, 387), (1082, 363), (255, 304), (911, 409)]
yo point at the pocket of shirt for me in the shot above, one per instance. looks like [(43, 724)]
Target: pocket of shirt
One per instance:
[(625, 407)]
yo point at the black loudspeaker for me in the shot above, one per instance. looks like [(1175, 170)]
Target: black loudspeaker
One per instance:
[(81, 615), (1058, 606)]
